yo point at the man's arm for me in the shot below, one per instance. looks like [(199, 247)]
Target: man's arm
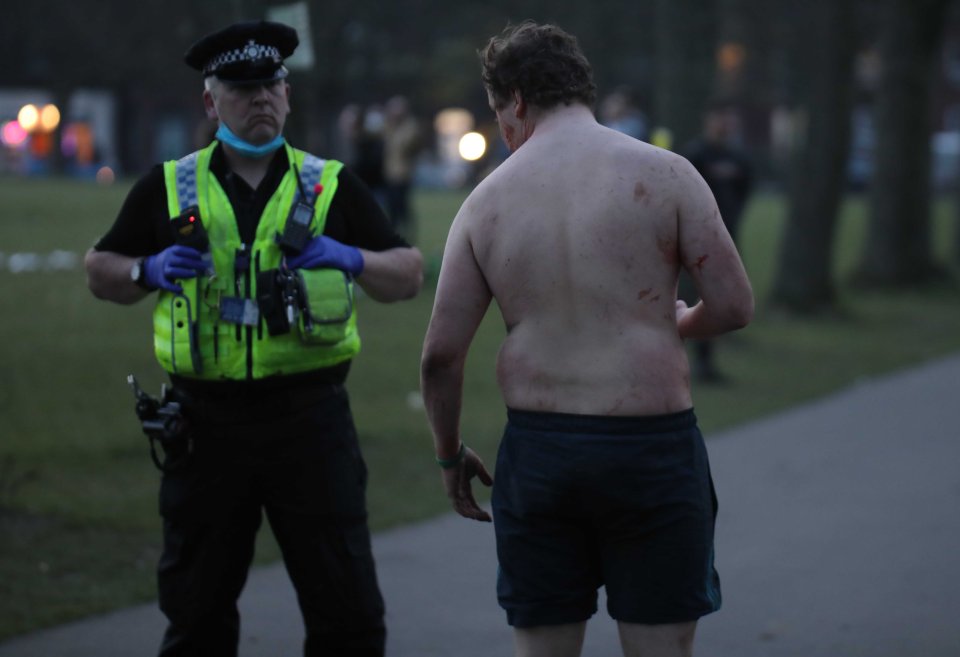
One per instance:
[(108, 277), (708, 254), (461, 301), (392, 275)]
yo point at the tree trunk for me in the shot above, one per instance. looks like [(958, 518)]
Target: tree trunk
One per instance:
[(898, 248), (956, 228), (686, 39), (804, 280)]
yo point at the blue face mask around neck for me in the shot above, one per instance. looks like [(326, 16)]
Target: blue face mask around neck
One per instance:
[(225, 135)]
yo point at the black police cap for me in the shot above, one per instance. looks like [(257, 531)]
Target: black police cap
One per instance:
[(249, 52)]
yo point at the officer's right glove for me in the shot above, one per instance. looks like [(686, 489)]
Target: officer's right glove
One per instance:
[(163, 269)]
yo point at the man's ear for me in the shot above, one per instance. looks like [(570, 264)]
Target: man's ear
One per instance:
[(520, 105), (209, 106)]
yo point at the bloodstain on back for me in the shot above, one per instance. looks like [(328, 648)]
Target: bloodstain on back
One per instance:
[(639, 192), (509, 133), (668, 248), (643, 294), (699, 261)]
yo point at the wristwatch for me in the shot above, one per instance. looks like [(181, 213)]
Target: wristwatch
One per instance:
[(138, 274)]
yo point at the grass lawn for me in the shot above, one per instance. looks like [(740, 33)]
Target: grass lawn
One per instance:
[(79, 531)]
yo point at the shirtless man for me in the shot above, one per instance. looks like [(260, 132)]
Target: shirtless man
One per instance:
[(602, 476)]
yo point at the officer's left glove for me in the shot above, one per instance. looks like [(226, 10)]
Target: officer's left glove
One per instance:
[(323, 251), (178, 261)]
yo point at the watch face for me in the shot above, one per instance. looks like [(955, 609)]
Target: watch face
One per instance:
[(135, 271)]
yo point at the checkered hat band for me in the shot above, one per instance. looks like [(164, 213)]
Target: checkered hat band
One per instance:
[(251, 52)]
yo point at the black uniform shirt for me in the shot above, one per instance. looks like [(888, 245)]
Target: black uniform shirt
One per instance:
[(143, 228)]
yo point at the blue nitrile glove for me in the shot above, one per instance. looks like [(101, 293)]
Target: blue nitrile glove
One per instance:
[(177, 261), (323, 251)]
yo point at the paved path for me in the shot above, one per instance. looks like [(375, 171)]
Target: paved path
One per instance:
[(838, 535)]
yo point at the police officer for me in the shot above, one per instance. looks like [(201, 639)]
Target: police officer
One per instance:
[(252, 249)]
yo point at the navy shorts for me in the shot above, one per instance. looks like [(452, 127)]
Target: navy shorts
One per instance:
[(584, 501)]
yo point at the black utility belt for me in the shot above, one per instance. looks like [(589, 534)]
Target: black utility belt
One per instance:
[(252, 408)]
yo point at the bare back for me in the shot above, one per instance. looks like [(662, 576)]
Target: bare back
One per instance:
[(578, 238)]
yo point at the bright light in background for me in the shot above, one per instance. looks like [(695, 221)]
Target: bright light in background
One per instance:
[(453, 121), (32, 119), (28, 117), (12, 134), (472, 146), (451, 124), (49, 118)]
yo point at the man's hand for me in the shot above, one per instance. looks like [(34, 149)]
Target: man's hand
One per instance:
[(177, 261), (457, 482), (323, 251)]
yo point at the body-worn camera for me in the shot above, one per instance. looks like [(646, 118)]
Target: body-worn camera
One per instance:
[(188, 230)]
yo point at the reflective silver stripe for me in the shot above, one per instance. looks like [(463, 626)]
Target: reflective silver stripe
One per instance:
[(186, 171), (310, 174)]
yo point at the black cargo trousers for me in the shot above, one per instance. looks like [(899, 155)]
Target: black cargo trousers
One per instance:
[(296, 458)]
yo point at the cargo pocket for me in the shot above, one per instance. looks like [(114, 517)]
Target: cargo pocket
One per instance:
[(328, 306)]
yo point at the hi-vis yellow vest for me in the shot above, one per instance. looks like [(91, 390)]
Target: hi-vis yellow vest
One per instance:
[(191, 335)]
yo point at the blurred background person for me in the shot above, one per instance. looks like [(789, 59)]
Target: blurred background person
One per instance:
[(717, 154), (349, 125), (619, 111), (403, 141), (368, 151)]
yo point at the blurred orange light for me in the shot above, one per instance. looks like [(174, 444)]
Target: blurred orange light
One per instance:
[(49, 118), (453, 121), (28, 117), (730, 57), (77, 142), (41, 144)]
